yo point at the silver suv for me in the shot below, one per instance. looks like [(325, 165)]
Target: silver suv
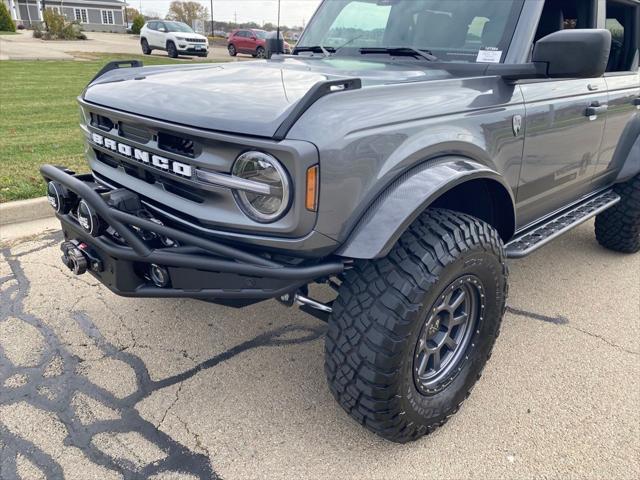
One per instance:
[(176, 38)]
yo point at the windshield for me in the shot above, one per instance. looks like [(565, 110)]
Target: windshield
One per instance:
[(453, 30), (178, 27)]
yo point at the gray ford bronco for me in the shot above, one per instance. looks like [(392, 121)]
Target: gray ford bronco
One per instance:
[(401, 155)]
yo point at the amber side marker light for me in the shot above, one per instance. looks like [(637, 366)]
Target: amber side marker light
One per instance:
[(311, 201)]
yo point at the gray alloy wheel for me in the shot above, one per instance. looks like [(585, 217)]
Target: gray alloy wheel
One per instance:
[(232, 50), (446, 332), (260, 52)]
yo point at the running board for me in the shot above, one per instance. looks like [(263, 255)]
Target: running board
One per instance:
[(541, 234)]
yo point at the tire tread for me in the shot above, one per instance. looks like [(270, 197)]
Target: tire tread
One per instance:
[(618, 228), (372, 319)]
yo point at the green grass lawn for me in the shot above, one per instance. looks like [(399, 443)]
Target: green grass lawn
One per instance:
[(39, 118), (4, 32)]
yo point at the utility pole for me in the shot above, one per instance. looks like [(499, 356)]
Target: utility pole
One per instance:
[(212, 30), (278, 30)]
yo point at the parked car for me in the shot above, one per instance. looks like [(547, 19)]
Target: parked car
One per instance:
[(252, 42), (176, 38), (403, 153)]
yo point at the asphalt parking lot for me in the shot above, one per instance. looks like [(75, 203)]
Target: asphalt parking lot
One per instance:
[(97, 386)]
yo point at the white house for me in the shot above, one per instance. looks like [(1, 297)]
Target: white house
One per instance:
[(93, 15)]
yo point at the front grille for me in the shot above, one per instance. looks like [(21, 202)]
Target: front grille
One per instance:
[(162, 207), (135, 133), (171, 186), (178, 145), (196, 40), (101, 122)]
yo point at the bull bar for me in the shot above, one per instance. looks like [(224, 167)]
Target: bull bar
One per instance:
[(263, 277)]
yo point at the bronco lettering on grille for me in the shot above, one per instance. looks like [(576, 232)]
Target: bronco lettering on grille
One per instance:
[(143, 157)]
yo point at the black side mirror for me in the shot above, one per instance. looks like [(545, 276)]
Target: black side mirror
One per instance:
[(563, 54), (574, 53)]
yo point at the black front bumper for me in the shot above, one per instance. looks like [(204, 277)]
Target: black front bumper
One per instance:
[(199, 268)]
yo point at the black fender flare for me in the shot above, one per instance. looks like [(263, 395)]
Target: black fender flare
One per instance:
[(407, 197), (626, 157)]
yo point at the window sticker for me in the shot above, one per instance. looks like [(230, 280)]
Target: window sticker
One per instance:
[(489, 56)]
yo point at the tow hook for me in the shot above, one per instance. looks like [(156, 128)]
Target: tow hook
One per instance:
[(78, 259)]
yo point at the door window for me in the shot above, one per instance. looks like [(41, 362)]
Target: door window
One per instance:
[(622, 21)]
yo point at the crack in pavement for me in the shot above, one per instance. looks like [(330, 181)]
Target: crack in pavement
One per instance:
[(70, 382), (563, 321)]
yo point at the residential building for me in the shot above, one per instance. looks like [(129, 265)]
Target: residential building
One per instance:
[(93, 15)]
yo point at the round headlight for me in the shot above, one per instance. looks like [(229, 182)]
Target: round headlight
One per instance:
[(266, 194)]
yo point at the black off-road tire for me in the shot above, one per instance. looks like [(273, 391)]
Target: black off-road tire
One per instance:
[(380, 315), (172, 50), (618, 228), (146, 49)]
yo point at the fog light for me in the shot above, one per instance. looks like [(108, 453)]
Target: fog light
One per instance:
[(159, 276), (89, 220), (60, 198)]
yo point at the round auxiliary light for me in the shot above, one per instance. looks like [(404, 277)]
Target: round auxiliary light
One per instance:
[(89, 220), (60, 198), (267, 194)]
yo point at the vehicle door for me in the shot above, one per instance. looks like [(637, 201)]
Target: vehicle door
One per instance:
[(152, 34), (241, 44), (623, 82), (564, 126), (161, 35), (252, 42)]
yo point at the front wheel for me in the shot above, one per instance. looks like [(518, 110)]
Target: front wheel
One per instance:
[(172, 51), (260, 52), (618, 228), (410, 333), (232, 50), (146, 49)]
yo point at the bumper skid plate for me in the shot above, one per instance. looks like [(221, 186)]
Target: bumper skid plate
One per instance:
[(109, 234)]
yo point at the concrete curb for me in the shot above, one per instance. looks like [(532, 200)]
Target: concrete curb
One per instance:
[(25, 211)]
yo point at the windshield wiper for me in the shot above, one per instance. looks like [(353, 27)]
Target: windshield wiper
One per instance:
[(410, 51), (316, 49)]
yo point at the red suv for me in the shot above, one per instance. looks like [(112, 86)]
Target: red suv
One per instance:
[(250, 41)]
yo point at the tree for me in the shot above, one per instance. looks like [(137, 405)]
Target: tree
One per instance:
[(132, 13), (138, 23), (187, 12), (6, 22), (151, 15)]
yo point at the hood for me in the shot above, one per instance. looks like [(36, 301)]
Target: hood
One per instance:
[(189, 35), (251, 98)]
